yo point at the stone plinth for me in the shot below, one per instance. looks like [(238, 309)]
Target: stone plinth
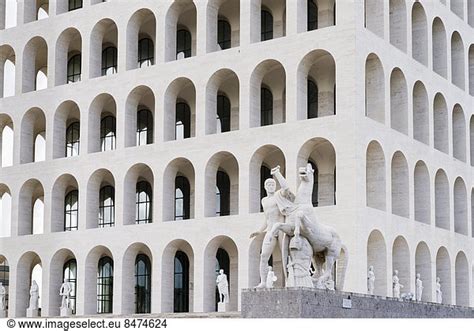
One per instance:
[(65, 312), (3, 314), (32, 312), (222, 307), (314, 303)]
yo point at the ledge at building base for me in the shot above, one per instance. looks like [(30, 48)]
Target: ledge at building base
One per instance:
[(314, 303)]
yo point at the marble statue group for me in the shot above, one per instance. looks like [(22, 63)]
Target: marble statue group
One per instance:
[(291, 225)]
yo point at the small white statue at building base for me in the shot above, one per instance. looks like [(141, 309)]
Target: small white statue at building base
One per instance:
[(418, 288), (33, 309), (271, 278), (65, 292), (396, 285), (223, 288), (439, 294), (371, 280), (3, 305)]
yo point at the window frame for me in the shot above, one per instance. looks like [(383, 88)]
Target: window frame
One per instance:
[(76, 62), (109, 54), (105, 285), (144, 186), (140, 306), (107, 191), (69, 212), (73, 137)]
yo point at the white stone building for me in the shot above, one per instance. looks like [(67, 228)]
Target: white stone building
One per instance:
[(97, 98)]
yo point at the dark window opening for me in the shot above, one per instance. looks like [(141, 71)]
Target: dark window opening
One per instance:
[(223, 114), (143, 201), (224, 33), (105, 282), (71, 211), (182, 199), (266, 107), (266, 25), (106, 206)]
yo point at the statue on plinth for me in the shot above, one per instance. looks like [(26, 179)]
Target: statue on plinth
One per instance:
[(222, 287), (418, 288), (371, 280), (65, 292), (3, 293), (271, 278), (439, 294), (291, 222), (396, 285), (34, 296)]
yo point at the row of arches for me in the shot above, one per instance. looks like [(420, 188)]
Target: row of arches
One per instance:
[(440, 40), (432, 121), (177, 112), (453, 271), (426, 184), (134, 201)]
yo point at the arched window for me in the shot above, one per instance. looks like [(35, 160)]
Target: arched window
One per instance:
[(222, 194), (181, 283), (71, 211), (105, 285), (312, 15), (264, 175), (107, 133), (181, 198), (314, 197), (70, 276), (146, 53), (106, 206), (72, 139), (74, 69), (74, 4), (266, 25), (183, 121), (266, 107), (109, 61), (312, 99), (183, 43), (144, 127), (142, 284), (144, 198), (223, 113), (224, 33), (222, 262)]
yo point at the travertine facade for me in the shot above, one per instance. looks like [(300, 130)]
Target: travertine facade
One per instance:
[(392, 113)]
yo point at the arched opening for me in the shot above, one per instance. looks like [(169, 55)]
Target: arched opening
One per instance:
[(5, 211), (268, 19), (440, 123), (401, 262), (267, 94), (68, 57), (181, 30), (224, 32), (180, 110), (377, 257), (460, 206), (221, 253), (462, 280), (459, 133), (35, 65), (421, 126), (29, 271), (423, 267), (374, 89), (137, 279), (32, 140), (140, 114), (141, 39), (101, 199), (65, 209), (178, 190), (6, 141), (374, 16), (222, 102), (316, 83), (442, 210), (63, 268), (422, 193), (176, 276), (67, 129), (103, 49), (440, 46), (398, 24), (266, 157), (138, 195), (457, 60), (400, 187), (7, 71), (222, 185), (99, 281), (102, 124), (419, 34), (31, 208), (398, 101), (8, 19), (443, 271)]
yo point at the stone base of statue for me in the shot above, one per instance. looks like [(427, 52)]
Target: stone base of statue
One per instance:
[(3, 314), (32, 312), (298, 302), (65, 312), (222, 307)]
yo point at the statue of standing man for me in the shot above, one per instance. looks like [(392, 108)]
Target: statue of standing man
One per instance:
[(65, 292), (222, 287), (3, 293), (371, 280)]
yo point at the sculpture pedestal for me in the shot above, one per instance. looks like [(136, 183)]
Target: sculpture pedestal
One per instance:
[(65, 312), (222, 307), (32, 312), (3, 313)]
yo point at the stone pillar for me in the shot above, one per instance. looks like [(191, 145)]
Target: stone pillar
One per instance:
[(326, 189), (118, 284), (201, 28), (325, 103), (325, 14)]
